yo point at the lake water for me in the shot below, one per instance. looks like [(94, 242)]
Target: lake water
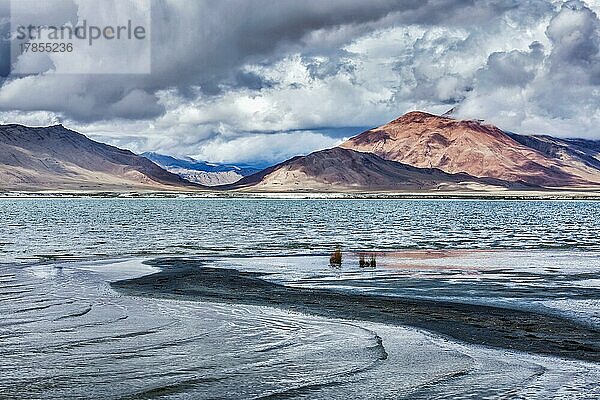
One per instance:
[(50, 229), (65, 333)]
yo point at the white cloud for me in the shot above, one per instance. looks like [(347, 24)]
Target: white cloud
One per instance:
[(264, 148), (552, 90)]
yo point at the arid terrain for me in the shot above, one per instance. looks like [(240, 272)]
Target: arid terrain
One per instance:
[(417, 152), (56, 158)]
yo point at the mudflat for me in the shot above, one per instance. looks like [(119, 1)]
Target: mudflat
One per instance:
[(476, 324)]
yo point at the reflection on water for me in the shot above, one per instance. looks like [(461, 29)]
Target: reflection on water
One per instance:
[(72, 228), (563, 282)]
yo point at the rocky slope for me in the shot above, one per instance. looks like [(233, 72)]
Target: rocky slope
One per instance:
[(579, 156), (417, 151), (56, 158), (429, 141), (342, 169)]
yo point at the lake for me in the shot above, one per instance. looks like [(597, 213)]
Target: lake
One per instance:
[(71, 329), (51, 229)]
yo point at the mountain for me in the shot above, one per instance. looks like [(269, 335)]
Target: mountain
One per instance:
[(56, 158), (417, 151), (429, 141), (199, 171), (580, 155), (342, 169)]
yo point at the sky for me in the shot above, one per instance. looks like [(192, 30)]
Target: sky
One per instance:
[(259, 81)]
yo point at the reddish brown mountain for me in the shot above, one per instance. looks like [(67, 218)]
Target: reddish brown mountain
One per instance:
[(429, 141)]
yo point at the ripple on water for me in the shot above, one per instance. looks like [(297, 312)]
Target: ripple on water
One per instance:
[(70, 335), (118, 227), (83, 339)]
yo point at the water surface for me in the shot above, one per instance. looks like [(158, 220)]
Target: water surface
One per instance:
[(48, 229), (64, 333)]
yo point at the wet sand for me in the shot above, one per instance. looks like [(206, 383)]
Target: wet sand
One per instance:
[(475, 324)]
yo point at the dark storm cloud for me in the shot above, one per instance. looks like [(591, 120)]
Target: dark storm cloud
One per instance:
[(575, 37), (547, 89), (251, 81), (211, 40), (197, 42), (206, 42), (512, 68)]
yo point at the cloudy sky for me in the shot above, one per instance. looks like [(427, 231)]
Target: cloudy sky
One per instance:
[(258, 81)]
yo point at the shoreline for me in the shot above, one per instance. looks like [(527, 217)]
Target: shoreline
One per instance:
[(535, 195), (490, 326)]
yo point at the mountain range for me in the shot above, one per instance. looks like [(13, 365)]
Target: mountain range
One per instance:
[(344, 169), (430, 141), (201, 172), (421, 151), (56, 158), (415, 152)]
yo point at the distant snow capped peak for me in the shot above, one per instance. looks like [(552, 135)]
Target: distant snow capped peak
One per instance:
[(206, 173)]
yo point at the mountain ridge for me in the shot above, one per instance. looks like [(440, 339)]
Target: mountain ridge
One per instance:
[(460, 153), (416, 151), (57, 158), (481, 150), (338, 168)]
